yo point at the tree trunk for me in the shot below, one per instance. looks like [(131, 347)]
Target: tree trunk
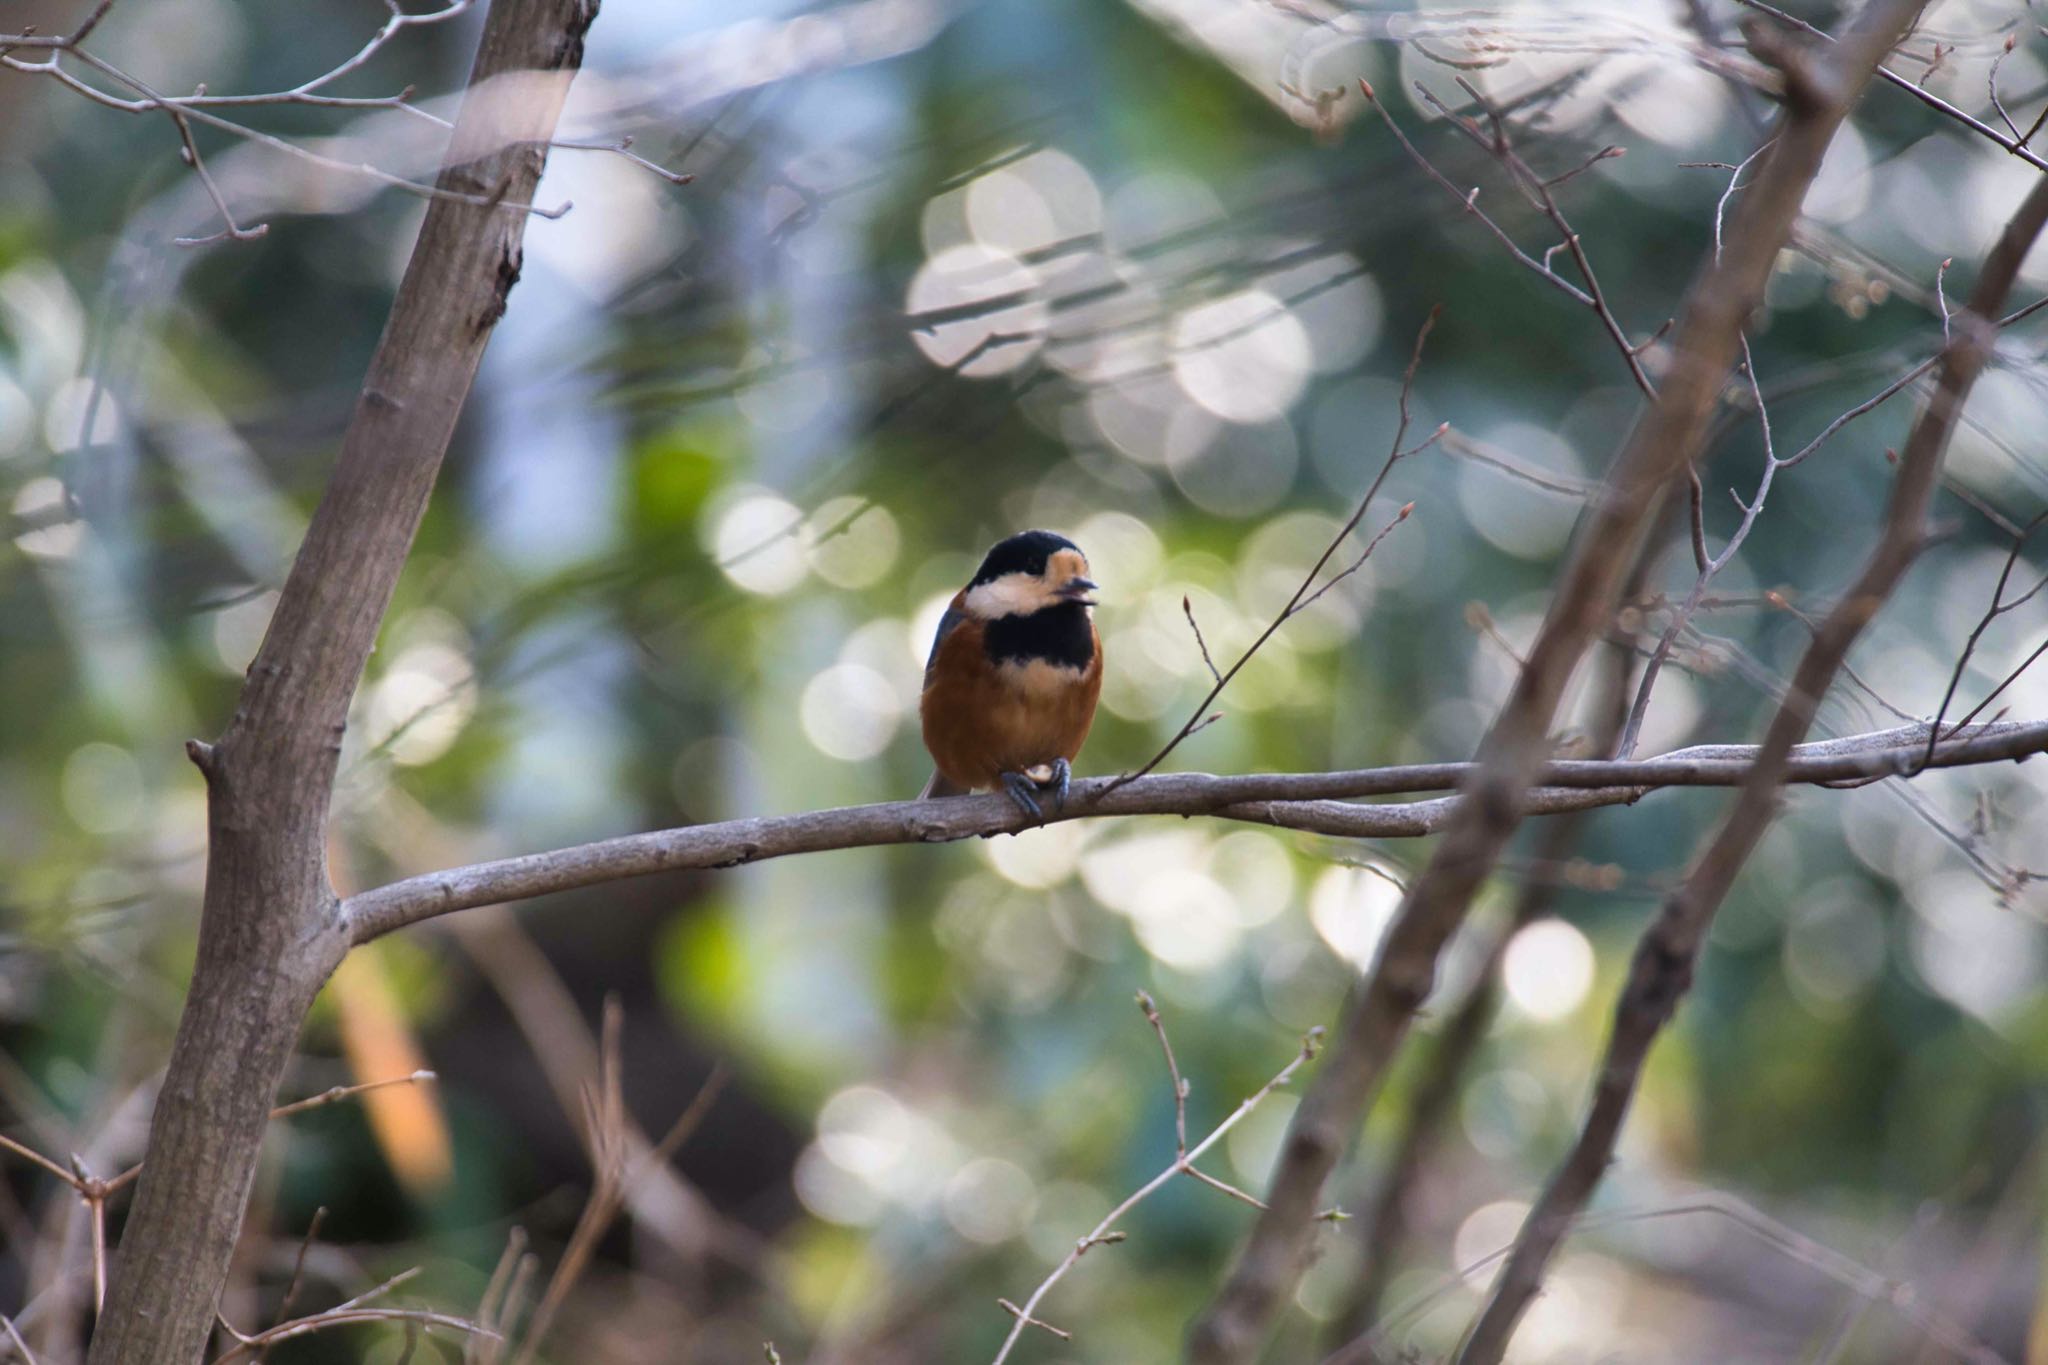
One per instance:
[(270, 930)]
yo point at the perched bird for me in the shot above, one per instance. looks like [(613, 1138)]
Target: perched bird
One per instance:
[(1010, 688)]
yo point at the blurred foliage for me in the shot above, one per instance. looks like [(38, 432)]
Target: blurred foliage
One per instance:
[(686, 556)]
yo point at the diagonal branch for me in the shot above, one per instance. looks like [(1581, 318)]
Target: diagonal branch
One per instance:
[(1663, 965), (1820, 87)]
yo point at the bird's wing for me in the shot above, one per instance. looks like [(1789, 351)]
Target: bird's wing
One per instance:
[(953, 617)]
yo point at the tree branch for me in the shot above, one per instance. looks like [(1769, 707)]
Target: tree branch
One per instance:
[(1663, 965), (1316, 802), (1820, 87), (270, 930)]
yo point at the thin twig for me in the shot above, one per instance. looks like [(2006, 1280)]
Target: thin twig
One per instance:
[(1187, 605), (607, 1135), (1873, 1285), (1183, 1164), (1537, 191), (28, 1357), (325, 1097), (1296, 603), (30, 1154), (1640, 708), (338, 1093), (2015, 145), (291, 1289), (1180, 1087), (1999, 607)]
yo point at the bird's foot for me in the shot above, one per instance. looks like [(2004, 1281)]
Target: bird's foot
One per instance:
[(1024, 792), (1026, 787), (1062, 779)]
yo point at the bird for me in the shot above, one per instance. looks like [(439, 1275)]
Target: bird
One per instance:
[(1014, 673)]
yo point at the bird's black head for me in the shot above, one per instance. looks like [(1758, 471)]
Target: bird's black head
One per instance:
[(1030, 571), (1027, 552)]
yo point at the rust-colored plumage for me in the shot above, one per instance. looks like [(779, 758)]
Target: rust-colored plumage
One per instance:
[(982, 719), (1014, 674)]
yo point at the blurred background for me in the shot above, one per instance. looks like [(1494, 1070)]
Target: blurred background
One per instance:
[(1146, 272)]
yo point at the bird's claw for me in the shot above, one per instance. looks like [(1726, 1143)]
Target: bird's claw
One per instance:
[(1026, 787), (1062, 779), (1024, 792)]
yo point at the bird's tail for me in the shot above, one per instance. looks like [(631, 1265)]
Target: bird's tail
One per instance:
[(938, 787)]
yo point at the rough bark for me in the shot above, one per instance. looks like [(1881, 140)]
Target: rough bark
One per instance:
[(270, 928)]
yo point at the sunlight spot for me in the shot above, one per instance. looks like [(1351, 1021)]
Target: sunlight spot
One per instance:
[(1032, 203), (1245, 357), (756, 544), (852, 542), (1257, 871), (421, 703), (1231, 469), (1982, 958), (850, 712), (1351, 908), (1548, 968), (238, 631), (1515, 516), (56, 533), (982, 341), (102, 788), (1038, 858), (1486, 1230), (990, 1200)]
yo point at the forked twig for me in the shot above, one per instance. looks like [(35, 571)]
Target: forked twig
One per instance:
[(1302, 597), (1104, 1233), (1999, 607)]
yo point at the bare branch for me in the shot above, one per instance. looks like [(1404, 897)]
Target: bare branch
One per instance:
[(1663, 964), (1999, 607), (608, 1134), (344, 1092), (291, 1288), (1867, 1283), (1301, 599), (1183, 1164), (1537, 191), (1187, 605), (269, 914), (2015, 145), (1315, 802), (1383, 1226), (1680, 618), (1820, 89), (28, 1357)]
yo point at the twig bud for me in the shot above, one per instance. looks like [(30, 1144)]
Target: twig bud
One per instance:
[(1365, 89)]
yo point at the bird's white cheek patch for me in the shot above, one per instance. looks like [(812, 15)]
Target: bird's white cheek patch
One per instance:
[(1037, 677), (1014, 594)]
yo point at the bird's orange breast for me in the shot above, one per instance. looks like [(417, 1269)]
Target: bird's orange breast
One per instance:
[(983, 719)]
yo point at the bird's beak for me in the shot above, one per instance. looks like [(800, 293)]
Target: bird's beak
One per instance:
[(1077, 590)]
